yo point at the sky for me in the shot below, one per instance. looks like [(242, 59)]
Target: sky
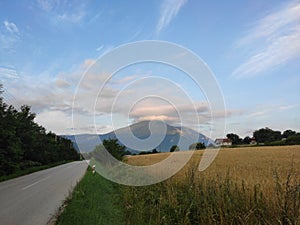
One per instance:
[(252, 48)]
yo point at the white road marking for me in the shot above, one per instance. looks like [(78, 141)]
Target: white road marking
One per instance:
[(28, 186)]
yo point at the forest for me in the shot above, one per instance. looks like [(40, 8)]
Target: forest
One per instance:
[(25, 144)]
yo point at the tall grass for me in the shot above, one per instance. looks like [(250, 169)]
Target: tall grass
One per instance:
[(243, 186), (195, 199), (94, 201)]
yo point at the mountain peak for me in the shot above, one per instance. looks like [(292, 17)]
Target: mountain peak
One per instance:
[(168, 134)]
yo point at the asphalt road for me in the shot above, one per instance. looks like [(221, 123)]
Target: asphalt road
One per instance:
[(33, 199)]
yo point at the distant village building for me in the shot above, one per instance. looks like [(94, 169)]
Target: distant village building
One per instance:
[(223, 142), (253, 141)]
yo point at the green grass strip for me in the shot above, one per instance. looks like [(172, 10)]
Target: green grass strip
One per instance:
[(94, 200)]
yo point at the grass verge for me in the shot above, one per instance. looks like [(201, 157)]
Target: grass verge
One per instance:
[(94, 200), (31, 170)]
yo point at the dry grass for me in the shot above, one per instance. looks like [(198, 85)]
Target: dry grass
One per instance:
[(251, 164), (255, 185)]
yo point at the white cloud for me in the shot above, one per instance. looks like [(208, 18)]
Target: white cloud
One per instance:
[(48, 5), (57, 121), (73, 17), (52, 100), (63, 11), (268, 110), (99, 48), (9, 36), (258, 113), (61, 83), (287, 107), (8, 73), (11, 27), (88, 63), (169, 10), (274, 41)]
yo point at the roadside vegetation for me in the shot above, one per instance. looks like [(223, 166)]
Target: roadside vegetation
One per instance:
[(257, 185), (94, 200), (26, 146)]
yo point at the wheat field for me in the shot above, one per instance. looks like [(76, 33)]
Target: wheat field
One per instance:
[(251, 164), (249, 185)]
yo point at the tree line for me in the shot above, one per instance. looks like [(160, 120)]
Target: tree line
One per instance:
[(25, 144), (267, 136)]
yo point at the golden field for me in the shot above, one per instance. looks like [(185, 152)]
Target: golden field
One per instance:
[(249, 185), (251, 164)]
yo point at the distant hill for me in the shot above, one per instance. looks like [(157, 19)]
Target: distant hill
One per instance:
[(87, 142)]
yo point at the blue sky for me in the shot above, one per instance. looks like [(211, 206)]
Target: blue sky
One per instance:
[(252, 47)]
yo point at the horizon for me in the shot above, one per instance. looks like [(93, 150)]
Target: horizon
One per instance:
[(251, 136), (252, 49)]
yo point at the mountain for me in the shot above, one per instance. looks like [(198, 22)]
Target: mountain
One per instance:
[(164, 135)]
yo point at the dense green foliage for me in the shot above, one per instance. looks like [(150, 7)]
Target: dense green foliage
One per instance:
[(267, 136), (288, 133), (108, 146), (114, 148), (154, 151), (236, 140), (25, 144), (174, 148), (293, 139), (197, 146), (95, 200), (247, 140)]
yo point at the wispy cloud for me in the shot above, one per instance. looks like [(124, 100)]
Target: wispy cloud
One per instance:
[(274, 40), (11, 27), (10, 73), (100, 48), (169, 10), (61, 11), (9, 36), (73, 17), (258, 113), (268, 110), (48, 5)]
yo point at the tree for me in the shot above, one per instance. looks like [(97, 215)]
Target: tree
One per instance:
[(293, 139), (24, 144), (114, 148), (267, 135), (200, 145), (288, 133), (154, 151), (247, 140), (174, 148), (197, 146), (235, 139)]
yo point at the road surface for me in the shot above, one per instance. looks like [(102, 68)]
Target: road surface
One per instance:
[(33, 199)]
